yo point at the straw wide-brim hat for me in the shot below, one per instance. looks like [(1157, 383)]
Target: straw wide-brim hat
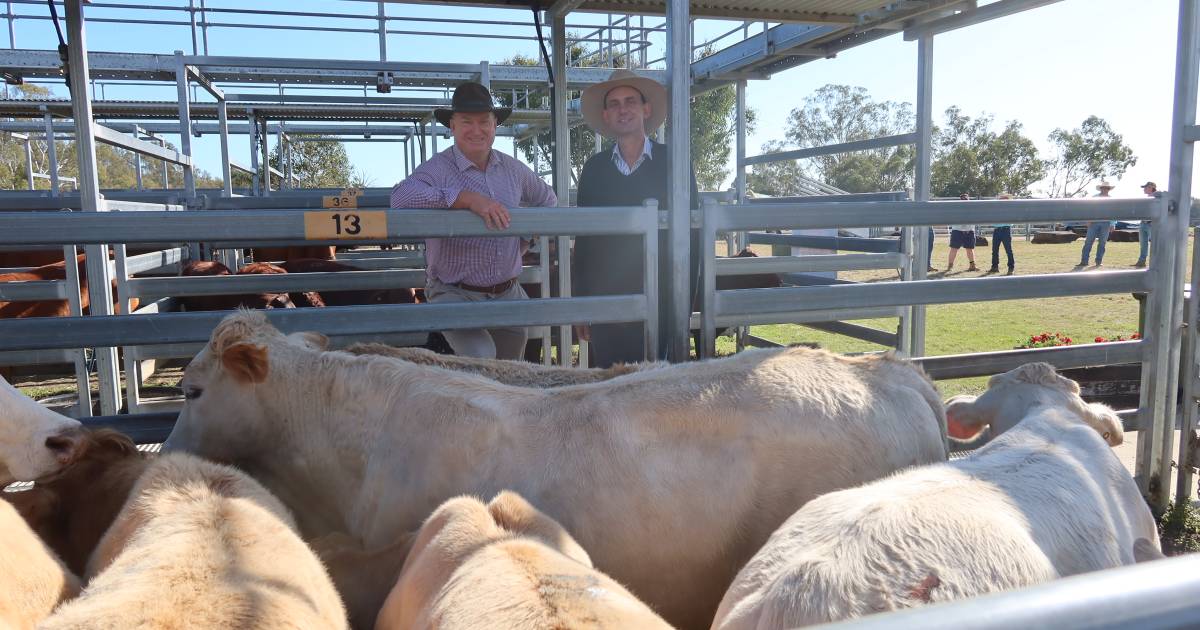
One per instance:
[(1103, 184), (592, 102)]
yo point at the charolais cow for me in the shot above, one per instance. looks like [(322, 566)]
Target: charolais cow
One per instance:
[(32, 579), (200, 545), (370, 445), (34, 441), (520, 373), (1047, 498), (505, 565), (72, 509)]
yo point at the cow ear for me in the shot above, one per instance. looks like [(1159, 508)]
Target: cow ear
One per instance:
[(961, 423), (247, 362)]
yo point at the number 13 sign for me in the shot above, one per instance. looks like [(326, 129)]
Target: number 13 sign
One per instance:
[(348, 225)]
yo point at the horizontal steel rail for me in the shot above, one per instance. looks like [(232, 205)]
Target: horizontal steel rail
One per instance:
[(37, 357), (33, 290), (855, 331), (742, 302), (128, 330), (142, 428), (122, 205), (798, 316), (987, 363), (337, 341), (843, 243), (59, 228), (898, 195), (288, 282), (894, 213), (153, 261), (1147, 596), (845, 147), (118, 139), (798, 264)]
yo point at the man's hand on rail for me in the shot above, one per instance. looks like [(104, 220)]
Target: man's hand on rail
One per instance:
[(493, 213)]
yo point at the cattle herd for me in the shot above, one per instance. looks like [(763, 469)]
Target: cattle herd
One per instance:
[(303, 487)]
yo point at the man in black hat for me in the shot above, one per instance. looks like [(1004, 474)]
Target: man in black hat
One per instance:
[(470, 175)]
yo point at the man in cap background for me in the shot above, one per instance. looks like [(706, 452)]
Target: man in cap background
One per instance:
[(1097, 231), (470, 175), (626, 108), (1144, 229)]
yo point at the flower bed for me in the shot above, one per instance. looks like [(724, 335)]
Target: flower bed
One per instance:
[(1115, 385)]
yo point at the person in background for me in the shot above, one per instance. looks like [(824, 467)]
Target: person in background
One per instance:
[(962, 236), (1097, 231), (1144, 229), (929, 258), (471, 176), (1002, 234)]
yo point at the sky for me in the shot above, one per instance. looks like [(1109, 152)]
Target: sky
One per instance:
[(1048, 68)]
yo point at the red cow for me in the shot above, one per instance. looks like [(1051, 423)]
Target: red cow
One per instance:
[(50, 308), (348, 298), (231, 302)]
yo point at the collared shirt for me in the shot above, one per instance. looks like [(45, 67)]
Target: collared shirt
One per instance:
[(625, 168), (963, 228), (477, 260)]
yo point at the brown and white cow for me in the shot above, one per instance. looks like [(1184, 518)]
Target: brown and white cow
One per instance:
[(505, 565), (72, 509), (32, 579), (370, 446), (200, 545)]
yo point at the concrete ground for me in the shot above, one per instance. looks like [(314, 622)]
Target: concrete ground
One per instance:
[(1127, 452)]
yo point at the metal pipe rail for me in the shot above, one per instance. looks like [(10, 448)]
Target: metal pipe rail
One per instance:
[(170, 328), (33, 290), (1147, 596), (252, 226), (987, 363), (854, 244), (801, 264)]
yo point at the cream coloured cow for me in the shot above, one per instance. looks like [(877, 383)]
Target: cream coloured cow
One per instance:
[(33, 580), (671, 478), (521, 373), (505, 565), (1045, 499), (200, 545), (34, 441)]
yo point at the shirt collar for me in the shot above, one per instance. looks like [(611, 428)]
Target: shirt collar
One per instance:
[(647, 150), (463, 163)]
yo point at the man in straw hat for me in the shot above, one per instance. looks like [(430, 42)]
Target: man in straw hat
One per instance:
[(470, 175), (626, 108), (1097, 231)]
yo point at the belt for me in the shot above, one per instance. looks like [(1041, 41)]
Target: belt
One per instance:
[(495, 289)]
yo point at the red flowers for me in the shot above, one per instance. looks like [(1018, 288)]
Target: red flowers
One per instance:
[(1050, 340)]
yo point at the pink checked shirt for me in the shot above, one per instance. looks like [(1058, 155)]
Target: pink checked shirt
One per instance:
[(477, 260)]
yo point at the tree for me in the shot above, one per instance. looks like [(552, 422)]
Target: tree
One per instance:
[(971, 158), (1083, 155), (318, 164), (836, 114), (775, 179)]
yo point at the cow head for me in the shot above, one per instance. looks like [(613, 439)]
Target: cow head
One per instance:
[(222, 415), (34, 441), (1010, 397)]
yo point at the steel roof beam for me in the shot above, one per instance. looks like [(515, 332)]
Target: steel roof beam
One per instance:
[(987, 12)]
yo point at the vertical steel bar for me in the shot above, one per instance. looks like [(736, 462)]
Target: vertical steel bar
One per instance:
[(223, 128), (266, 156), (83, 388), (562, 170), (185, 125), (99, 278), (1189, 441), (679, 56), (52, 156), (916, 265), (1156, 364), (407, 149), (1179, 192), (382, 31), (544, 263), (708, 315), (739, 181), (192, 16), (29, 162), (132, 373), (204, 26), (650, 279), (253, 120), (12, 31)]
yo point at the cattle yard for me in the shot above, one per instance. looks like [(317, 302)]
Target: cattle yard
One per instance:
[(132, 299)]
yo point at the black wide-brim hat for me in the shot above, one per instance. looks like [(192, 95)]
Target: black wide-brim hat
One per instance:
[(471, 98)]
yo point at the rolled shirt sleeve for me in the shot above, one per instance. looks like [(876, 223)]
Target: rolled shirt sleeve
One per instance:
[(423, 190)]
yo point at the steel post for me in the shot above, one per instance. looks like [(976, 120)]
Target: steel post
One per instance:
[(83, 389), (250, 116), (914, 341), (29, 163), (1179, 193), (185, 124), (192, 19), (739, 181), (223, 124), (99, 278), (650, 280), (263, 138), (708, 315), (562, 170), (382, 31), (52, 157), (679, 57)]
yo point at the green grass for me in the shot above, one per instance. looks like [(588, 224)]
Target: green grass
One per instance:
[(985, 326)]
